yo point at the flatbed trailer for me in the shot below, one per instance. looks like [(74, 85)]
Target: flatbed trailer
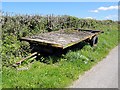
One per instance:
[(61, 39)]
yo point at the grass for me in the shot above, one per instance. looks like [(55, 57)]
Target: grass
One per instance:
[(66, 70)]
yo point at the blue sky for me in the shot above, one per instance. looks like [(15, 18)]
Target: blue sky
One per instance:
[(97, 10)]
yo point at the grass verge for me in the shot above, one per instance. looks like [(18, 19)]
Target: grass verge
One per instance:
[(68, 69)]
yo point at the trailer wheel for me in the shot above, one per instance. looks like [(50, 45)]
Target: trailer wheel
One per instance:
[(94, 41)]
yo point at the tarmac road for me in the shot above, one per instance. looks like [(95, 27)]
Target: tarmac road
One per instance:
[(103, 75)]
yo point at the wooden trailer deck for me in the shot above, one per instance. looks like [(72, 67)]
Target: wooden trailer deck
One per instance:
[(62, 38)]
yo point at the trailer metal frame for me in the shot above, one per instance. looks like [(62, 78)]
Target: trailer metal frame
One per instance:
[(61, 39)]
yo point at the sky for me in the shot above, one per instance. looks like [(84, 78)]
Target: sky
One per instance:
[(96, 10), (60, 0)]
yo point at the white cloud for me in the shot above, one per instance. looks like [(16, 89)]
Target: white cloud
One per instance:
[(105, 8), (108, 8), (95, 11), (112, 17), (89, 17)]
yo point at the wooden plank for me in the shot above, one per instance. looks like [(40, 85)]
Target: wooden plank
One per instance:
[(70, 44), (61, 39), (19, 62), (42, 42)]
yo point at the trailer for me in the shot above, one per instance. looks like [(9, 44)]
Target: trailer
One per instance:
[(58, 40)]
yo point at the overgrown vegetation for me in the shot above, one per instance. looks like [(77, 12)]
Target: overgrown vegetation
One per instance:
[(49, 74)]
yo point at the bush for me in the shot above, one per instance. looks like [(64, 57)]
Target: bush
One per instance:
[(15, 27)]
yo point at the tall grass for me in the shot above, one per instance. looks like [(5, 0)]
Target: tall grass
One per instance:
[(69, 67)]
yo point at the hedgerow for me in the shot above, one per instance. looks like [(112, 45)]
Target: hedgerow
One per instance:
[(16, 26)]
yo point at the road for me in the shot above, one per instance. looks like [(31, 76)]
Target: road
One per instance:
[(103, 75)]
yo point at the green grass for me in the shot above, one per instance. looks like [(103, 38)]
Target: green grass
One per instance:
[(66, 70)]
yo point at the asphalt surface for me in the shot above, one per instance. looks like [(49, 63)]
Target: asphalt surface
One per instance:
[(102, 75)]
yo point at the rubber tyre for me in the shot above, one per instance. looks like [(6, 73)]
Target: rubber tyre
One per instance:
[(94, 41)]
